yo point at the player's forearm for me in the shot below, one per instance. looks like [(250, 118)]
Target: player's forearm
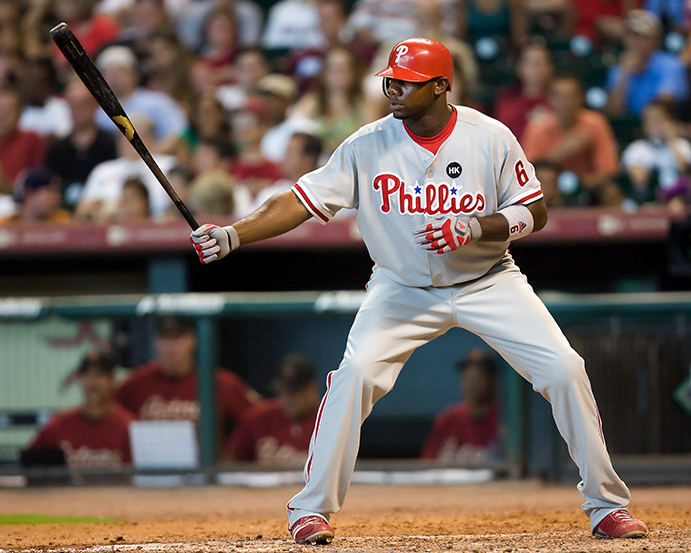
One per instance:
[(279, 214)]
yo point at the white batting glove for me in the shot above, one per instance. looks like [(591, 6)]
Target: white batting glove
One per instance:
[(212, 242), (447, 233)]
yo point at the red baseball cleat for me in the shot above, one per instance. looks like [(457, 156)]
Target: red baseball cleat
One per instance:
[(313, 530), (620, 524)]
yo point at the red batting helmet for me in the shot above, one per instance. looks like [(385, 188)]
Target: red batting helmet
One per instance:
[(419, 60)]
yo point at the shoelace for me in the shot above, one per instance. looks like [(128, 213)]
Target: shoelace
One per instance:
[(624, 516)]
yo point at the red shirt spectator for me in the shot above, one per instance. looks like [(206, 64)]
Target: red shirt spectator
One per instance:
[(515, 106), (167, 387), (89, 443), (18, 149), (266, 434), (153, 395), (456, 433), (95, 434), (469, 431), (278, 431)]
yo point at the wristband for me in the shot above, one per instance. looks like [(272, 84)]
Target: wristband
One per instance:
[(520, 220), (233, 238)]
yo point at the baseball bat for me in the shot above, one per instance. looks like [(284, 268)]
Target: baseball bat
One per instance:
[(92, 78)]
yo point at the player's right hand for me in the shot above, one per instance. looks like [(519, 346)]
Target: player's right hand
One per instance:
[(444, 234), (211, 242)]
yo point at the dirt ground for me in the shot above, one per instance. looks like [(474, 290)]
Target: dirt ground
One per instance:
[(507, 517)]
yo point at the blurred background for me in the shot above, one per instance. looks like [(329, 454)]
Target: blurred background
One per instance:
[(121, 355)]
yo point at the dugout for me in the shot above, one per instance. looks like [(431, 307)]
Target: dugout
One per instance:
[(637, 349)]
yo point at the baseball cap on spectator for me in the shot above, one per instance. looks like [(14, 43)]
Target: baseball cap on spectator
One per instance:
[(297, 372), (256, 108), (643, 23), (277, 85), (120, 56), (172, 326), (96, 360), (479, 357), (32, 179)]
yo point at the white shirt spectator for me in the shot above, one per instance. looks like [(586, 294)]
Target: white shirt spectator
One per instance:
[(276, 139), (106, 180), (394, 20), (293, 24), (167, 116), (656, 155), (53, 118)]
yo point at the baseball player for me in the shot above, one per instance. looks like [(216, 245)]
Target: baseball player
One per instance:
[(441, 191)]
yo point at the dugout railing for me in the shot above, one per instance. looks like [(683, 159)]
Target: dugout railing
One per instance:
[(647, 337)]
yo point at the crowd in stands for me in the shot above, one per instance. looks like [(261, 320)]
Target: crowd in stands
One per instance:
[(237, 98)]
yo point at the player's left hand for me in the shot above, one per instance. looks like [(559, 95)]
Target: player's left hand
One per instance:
[(444, 234), (211, 242)]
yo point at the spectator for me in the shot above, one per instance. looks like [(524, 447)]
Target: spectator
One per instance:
[(212, 193), (18, 149), (277, 431), (94, 31), (75, 156), (103, 188), (670, 12), (303, 156), (168, 69), (548, 175), (576, 139), (644, 73), (658, 160), (292, 24), (247, 13), (602, 22), (144, 20), (516, 105), (134, 205), (95, 434), (388, 21), (468, 432), (277, 93), (38, 198), (120, 68), (251, 168), (429, 15), (166, 387), (208, 121), (44, 112), (336, 104), (493, 18), (10, 25), (305, 64), (214, 65), (251, 66)]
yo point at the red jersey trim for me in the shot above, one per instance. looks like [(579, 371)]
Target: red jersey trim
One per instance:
[(534, 196), (433, 143), (302, 195)]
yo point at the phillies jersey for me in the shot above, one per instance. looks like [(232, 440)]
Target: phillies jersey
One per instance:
[(152, 395), (265, 434), (88, 443), (455, 429), (396, 185)]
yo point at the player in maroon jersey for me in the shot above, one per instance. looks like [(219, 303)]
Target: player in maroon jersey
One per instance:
[(94, 434), (278, 431), (166, 387), (469, 431)]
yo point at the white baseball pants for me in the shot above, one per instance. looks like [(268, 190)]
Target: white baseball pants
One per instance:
[(394, 320)]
